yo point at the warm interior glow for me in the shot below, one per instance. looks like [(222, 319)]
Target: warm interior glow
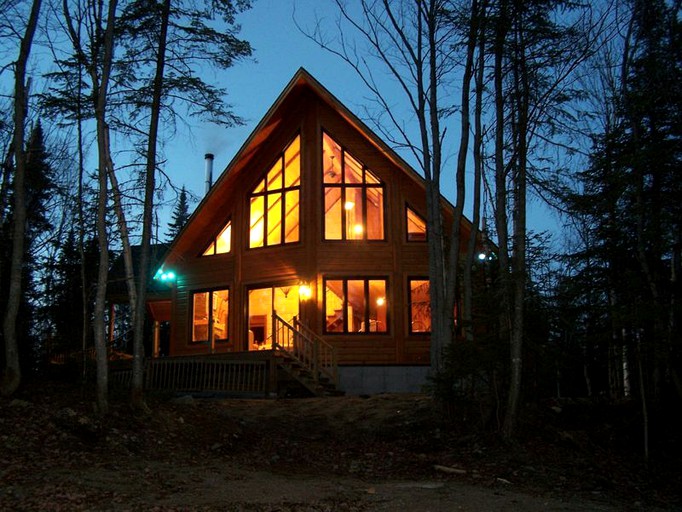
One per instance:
[(416, 227), (275, 202), (355, 305), (420, 306), (262, 302), (209, 316), (353, 196), (222, 244)]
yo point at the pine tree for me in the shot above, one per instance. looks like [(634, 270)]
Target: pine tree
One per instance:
[(39, 187), (180, 216)]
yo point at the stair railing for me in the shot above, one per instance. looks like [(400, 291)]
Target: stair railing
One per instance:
[(304, 345)]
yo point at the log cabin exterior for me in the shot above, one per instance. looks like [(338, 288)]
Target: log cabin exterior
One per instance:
[(318, 224)]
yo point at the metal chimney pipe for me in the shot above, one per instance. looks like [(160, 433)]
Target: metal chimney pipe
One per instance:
[(208, 158)]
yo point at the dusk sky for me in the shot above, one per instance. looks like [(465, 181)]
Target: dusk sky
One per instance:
[(280, 49)]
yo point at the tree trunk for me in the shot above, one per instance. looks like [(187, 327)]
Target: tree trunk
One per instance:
[(137, 392), (126, 250), (12, 374), (467, 278), (105, 164), (519, 241)]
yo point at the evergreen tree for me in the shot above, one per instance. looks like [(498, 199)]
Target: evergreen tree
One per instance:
[(65, 310), (180, 216), (39, 183), (631, 203)]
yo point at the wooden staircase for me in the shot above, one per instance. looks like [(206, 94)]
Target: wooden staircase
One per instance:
[(305, 357)]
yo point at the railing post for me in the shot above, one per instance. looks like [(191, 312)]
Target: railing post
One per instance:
[(316, 360), (274, 329)]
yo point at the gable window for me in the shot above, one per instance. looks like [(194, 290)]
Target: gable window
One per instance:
[(275, 201), (222, 244), (355, 305), (353, 196), (209, 316), (420, 306), (416, 226)]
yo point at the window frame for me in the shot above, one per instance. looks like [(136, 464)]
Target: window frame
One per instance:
[(283, 192), (214, 241), (410, 320), (344, 186), (367, 320), (409, 209), (210, 320)]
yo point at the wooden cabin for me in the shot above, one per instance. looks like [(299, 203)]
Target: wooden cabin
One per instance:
[(315, 231)]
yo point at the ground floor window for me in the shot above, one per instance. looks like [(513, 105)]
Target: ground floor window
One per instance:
[(420, 306), (209, 316), (284, 300), (356, 305)]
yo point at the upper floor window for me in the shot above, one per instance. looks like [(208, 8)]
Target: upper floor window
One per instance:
[(355, 305), (353, 196), (416, 226), (275, 201), (222, 243)]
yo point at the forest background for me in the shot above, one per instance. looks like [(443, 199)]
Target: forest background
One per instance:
[(505, 105)]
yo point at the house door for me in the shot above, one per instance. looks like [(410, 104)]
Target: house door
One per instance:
[(262, 302)]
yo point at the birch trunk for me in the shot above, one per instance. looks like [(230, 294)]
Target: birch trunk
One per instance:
[(12, 373)]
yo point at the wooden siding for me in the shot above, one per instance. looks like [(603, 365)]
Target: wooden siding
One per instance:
[(306, 113)]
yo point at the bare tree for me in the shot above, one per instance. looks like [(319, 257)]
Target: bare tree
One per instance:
[(12, 373), (416, 42), (97, 56)]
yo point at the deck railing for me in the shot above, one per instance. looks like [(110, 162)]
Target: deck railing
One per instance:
[(201, 374), (301, 343)]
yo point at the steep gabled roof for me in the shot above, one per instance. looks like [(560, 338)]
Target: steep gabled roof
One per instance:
[(302, 81)]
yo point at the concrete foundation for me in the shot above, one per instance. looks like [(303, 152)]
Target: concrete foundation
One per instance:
[(371, 380)]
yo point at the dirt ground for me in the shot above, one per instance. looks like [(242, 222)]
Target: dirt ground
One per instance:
[(384, 453)]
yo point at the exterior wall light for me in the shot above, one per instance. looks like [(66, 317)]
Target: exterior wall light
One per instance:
[(305, 292), (165, 276)]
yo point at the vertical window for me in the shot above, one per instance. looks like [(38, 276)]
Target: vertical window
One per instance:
[(209, 316), (274, 207), (356, 305), (222, 243), (353, 196), (420, 306), (416, 226)]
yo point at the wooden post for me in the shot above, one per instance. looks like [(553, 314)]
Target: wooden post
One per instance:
[(316, 360), (157, 339), (272, 376), (274, 329)]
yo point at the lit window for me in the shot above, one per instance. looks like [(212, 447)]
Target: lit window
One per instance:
[(209, 316), (222, 243), (356, 306), (420, 306), (353, 196), (275, 202), (416, 227)]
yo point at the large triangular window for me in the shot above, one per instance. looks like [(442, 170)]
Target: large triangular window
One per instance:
[(353, 196), (275, 202)]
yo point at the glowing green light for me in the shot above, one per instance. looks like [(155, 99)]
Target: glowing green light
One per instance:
[(166, 276)]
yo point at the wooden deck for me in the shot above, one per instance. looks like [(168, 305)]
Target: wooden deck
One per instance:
[(298, 359), (234, 374)]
